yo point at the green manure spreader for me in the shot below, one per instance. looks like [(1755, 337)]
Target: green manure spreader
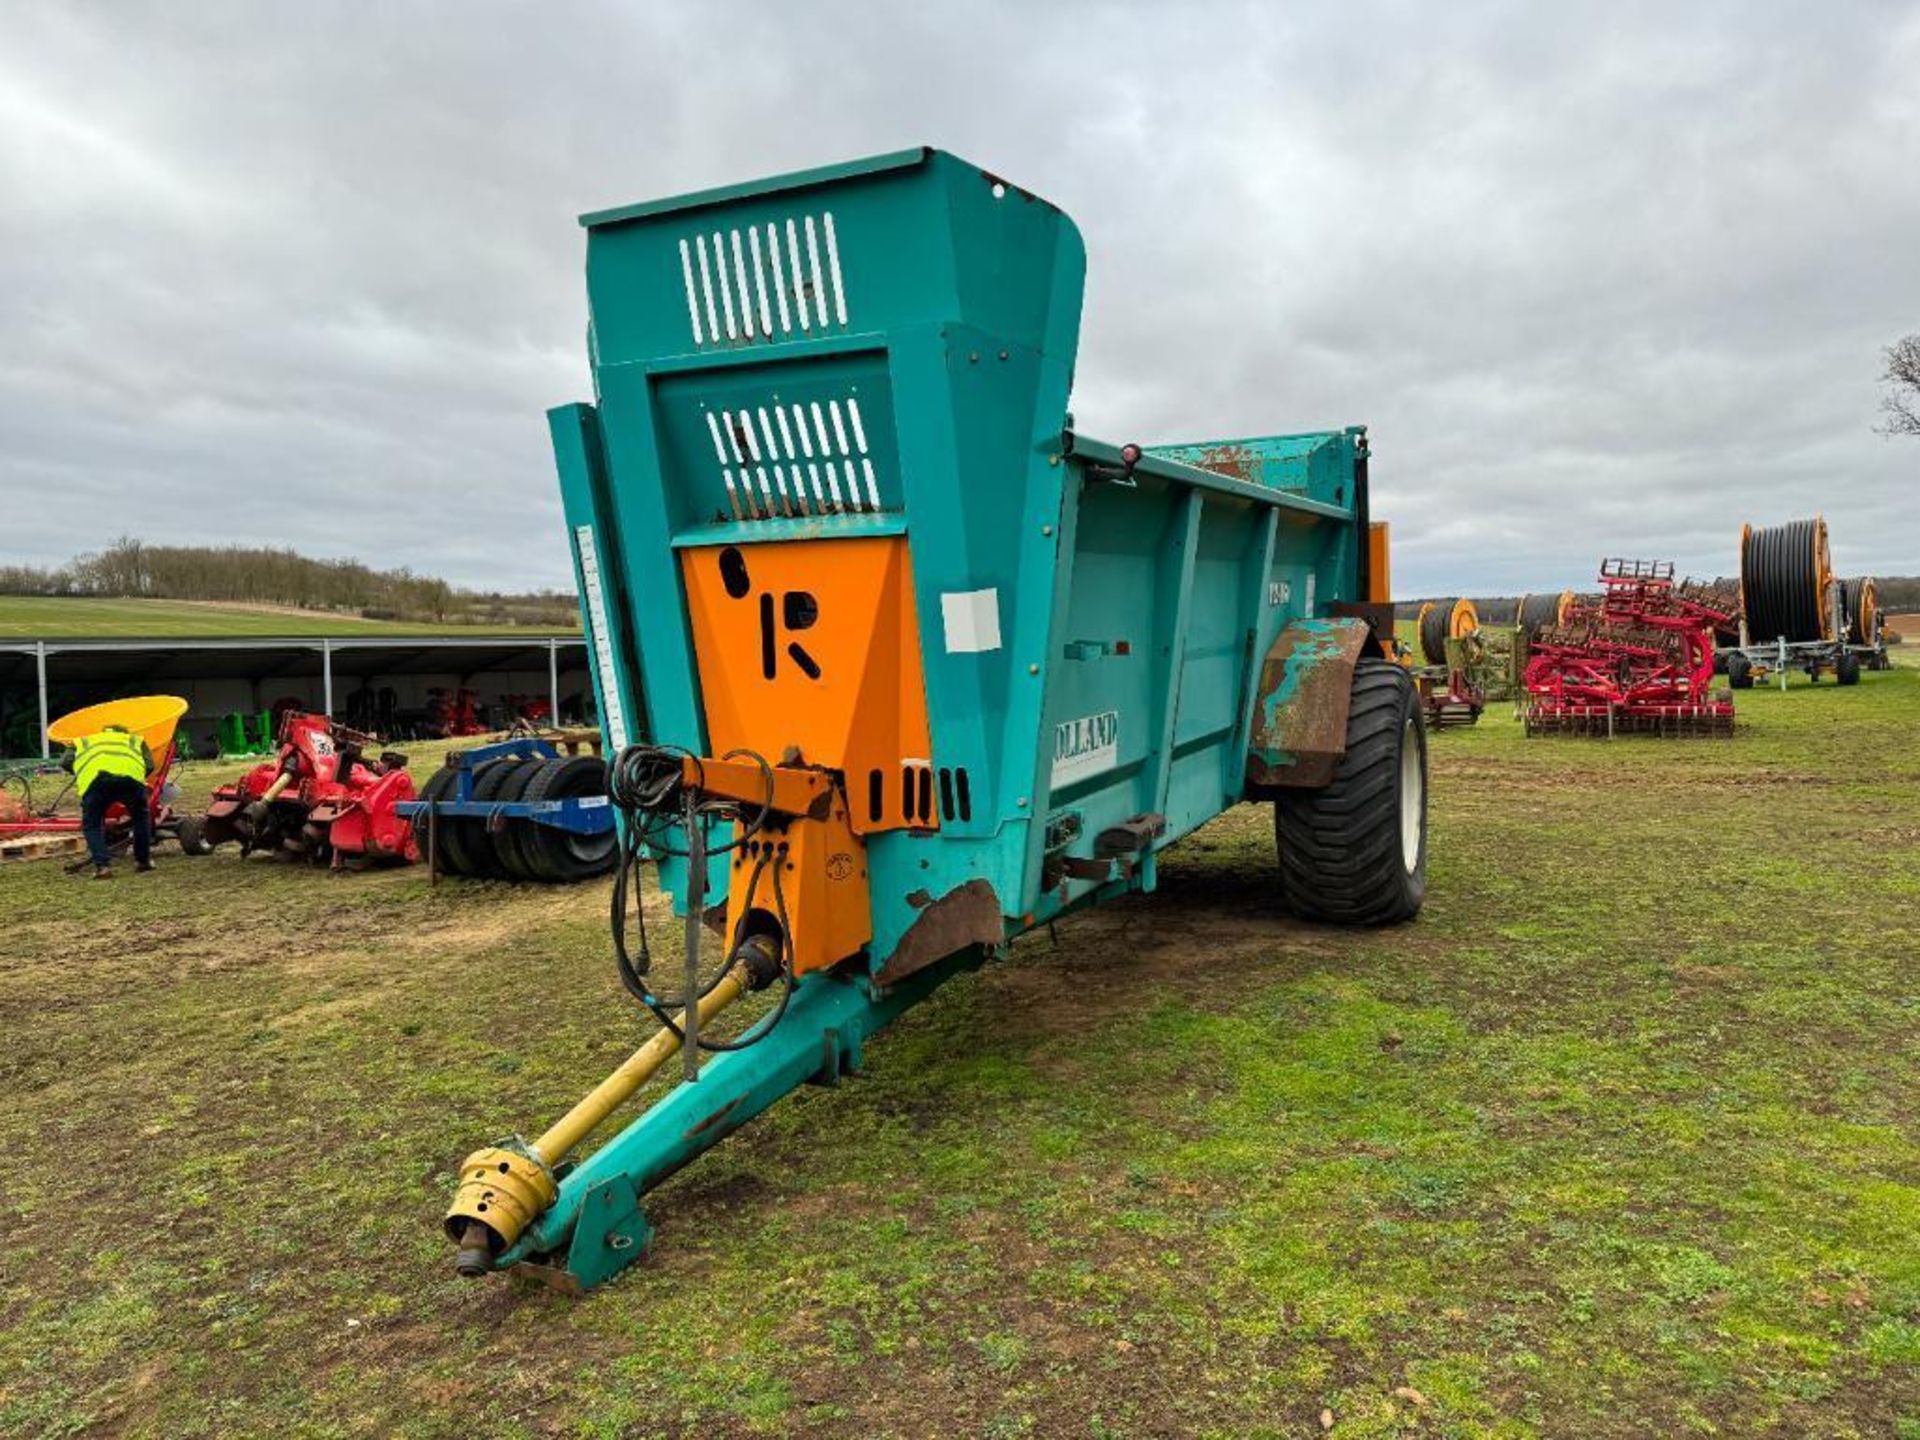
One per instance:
[(894, 665)]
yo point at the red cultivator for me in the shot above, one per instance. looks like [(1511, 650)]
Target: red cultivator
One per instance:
[(1639, 659), (320, 797)]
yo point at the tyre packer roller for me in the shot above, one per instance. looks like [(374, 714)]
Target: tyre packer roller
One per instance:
[(894, 666)]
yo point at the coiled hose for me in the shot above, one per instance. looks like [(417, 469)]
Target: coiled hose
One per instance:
[(1536, 612), (1444, 620), (1782, 581), (646, 783), (1860, 603)]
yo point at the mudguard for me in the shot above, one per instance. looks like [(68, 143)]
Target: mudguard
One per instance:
[(1300, 713)]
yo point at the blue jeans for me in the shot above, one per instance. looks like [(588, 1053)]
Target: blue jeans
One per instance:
[(106, 791)]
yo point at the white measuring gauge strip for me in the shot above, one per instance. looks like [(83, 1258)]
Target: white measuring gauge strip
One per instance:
[(596, 620)]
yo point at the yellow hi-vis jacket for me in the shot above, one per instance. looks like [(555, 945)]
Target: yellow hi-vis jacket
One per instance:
[(111, 752)]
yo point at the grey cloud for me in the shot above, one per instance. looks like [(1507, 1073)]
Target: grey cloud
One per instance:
[(1605, 280)]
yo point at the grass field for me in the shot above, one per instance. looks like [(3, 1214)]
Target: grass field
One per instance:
[(1619, 1139), (46, 617)]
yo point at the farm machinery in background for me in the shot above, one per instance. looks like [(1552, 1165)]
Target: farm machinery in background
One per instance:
[(1460, 667), (1796, 614), (1638, 658), (894, 665), (243, 734), (452, 714), (516, 810), (155, 719), (321, 797)]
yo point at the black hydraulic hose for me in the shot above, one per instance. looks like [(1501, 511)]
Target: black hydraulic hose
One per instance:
[(663, 1008), (646, 783)]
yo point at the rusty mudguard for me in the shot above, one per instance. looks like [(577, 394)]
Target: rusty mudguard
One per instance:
[(966, 915), (1300, 713)]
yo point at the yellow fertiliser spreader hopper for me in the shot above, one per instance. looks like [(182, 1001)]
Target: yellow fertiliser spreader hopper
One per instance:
[(153, 718)]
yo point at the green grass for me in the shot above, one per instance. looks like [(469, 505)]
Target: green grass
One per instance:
[(44, 617), (1618, 1139)]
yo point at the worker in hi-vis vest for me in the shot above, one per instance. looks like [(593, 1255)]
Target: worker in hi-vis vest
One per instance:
[(111, 768)]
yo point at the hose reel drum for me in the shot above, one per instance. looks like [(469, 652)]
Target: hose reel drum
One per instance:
[(1786, 583)]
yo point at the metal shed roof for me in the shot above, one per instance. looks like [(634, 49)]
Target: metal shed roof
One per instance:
[(161, 659)]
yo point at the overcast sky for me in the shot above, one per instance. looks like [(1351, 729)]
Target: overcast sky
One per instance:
[(1600, 283)]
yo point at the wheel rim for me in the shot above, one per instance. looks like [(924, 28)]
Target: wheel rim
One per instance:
[(1413, 795)]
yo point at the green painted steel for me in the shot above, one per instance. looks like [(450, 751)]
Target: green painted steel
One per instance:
[(596, 1220), (1093, 620)]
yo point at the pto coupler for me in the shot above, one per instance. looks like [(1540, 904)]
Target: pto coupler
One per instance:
[(505, 1187)]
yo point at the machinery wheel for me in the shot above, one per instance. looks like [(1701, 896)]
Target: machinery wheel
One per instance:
[(460, 840), (557, 855), (483, 854), (192, 835), (511, 844), (436, 788), (1354, 852), (1739, 671), (1846, 670)]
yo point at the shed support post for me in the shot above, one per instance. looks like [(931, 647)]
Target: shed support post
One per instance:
[(326, 677), (553, 681), (40, 669)]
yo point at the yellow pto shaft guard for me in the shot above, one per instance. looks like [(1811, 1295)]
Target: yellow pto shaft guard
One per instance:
[(505, 1187)]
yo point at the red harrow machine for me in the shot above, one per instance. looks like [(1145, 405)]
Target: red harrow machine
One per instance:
[(1639, 659), (319, 798)]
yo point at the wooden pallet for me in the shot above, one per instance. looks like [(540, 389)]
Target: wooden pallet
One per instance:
[(47, 845)]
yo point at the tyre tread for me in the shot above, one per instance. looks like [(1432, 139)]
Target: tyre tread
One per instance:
[(1339, 845)]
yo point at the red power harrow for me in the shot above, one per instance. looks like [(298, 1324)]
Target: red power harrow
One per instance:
[(1639, 659), (320, 797)]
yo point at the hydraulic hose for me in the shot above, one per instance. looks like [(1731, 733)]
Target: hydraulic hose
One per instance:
[(647, 784)]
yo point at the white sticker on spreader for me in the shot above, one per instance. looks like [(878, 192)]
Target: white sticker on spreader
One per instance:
[(972, 619)]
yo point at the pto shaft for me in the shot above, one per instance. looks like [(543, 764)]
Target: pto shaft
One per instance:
[(573, 1127), (504, 1187)]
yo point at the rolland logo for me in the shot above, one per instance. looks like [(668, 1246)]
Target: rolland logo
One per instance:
[(1085, 746)]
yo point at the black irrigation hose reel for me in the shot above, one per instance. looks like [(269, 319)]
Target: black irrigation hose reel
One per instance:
[(1796, 614)]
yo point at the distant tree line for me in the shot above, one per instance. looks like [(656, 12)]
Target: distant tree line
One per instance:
[(258, 575)]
